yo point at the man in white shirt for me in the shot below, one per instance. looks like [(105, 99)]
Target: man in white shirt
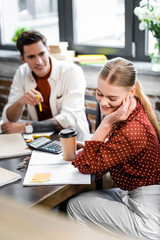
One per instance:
[(53, 91)]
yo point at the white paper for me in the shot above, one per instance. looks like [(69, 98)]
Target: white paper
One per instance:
[(7, 176), (13, 145), (45, 158), (62, 172)]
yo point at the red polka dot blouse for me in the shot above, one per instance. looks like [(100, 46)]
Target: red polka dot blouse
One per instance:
[(131, 155)]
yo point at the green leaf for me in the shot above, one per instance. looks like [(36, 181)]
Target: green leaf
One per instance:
[(151, 55), (18, 31)]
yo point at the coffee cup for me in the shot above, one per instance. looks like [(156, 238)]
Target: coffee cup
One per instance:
[(68, 142)]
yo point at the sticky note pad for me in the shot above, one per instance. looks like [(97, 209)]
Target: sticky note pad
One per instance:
[(40, 177)]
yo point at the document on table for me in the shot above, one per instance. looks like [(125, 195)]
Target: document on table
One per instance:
[(13, 145), (51, 169), (7, 176)]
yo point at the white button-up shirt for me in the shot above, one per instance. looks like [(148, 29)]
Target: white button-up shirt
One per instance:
[(67, 85)]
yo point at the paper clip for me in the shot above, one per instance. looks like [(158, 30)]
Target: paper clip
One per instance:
[(23, 163)]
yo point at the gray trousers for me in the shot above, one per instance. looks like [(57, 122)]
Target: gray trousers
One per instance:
[(135, 213)]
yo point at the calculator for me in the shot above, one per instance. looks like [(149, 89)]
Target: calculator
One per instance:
[(46, 145)]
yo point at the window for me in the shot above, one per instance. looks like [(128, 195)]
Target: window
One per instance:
[(36, 14), (151, 40), (99, 23), (99, 26)]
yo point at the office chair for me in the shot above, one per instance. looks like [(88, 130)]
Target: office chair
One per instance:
[(96, 112)]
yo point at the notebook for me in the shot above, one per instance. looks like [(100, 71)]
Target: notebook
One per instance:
[(13, 145), (49, 169), (7, 176)]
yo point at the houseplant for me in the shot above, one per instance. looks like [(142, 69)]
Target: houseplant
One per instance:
[(18, 31), (149, 17)]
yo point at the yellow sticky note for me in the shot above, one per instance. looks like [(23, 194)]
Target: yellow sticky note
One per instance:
[(40, 177)]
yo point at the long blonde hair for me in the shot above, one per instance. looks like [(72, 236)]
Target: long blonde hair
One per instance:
[(122, 72)]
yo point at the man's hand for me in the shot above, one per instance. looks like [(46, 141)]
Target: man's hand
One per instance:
[(15, 110), (31, 97), (13, 127)]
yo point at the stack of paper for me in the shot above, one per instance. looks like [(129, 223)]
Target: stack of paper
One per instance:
[(7, 176), (13, 145), (60, 52), (91, 59)]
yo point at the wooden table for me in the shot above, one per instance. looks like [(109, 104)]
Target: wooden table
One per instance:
[(48, 196)]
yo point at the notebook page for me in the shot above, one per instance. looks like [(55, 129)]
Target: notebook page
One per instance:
[(45, 158), (60, 175), (62, 172)]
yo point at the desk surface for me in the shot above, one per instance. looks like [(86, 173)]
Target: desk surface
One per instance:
[(48, 196)]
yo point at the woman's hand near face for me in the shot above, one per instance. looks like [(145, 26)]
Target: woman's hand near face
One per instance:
[(121, 114)]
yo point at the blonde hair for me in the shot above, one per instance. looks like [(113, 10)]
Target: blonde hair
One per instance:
[(121, 72)]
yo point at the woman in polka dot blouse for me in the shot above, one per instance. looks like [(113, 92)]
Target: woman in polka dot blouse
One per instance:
[(127, 145)]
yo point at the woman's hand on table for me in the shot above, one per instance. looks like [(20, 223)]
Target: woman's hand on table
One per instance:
[(79, 147)]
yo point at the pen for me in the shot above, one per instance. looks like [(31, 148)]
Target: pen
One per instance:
[(41, 135), (40, 105)]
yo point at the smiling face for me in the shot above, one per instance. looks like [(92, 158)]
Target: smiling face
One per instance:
[(37, 57), (109, 96)]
